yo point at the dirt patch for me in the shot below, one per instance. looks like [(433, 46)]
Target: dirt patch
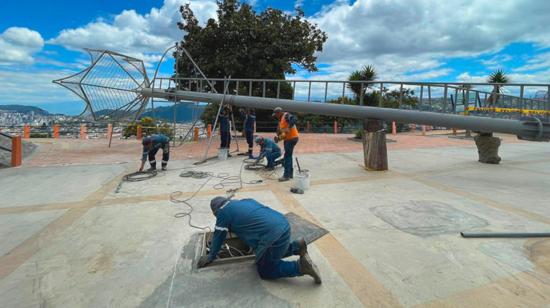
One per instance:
[(539, 253)]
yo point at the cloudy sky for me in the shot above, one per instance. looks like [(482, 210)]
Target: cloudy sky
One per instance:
[(421, 40)]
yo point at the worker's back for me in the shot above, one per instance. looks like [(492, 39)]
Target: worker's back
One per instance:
[(254, 223), (159, 139)]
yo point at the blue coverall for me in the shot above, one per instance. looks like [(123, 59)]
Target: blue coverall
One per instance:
[(271, 151), (159, 141), (249, 121), (262, 229), (225, 130)]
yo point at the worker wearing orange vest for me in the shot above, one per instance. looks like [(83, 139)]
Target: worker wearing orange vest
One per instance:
[(288, 132)]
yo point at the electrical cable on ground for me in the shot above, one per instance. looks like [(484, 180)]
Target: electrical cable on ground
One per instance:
[(225, 181), (139, 176)]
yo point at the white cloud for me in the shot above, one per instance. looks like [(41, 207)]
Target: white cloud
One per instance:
[(33, 87), (142, 36), (538, 62), (497, 61), (540, 77), (399, 36), (17, 45)]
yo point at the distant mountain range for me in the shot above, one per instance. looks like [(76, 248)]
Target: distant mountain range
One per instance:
[(24, 109), (184, 112)]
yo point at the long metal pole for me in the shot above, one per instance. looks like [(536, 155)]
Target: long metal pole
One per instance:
[(174, 123), (532, 129), (215, 123), (503, 235)]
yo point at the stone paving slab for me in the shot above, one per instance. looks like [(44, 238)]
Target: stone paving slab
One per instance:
[(393, 236)]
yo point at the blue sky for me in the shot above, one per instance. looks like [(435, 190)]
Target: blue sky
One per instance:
[(421, 40)]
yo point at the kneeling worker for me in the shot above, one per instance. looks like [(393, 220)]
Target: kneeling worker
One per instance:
[(270, 150), (151, 145), (264, 230)]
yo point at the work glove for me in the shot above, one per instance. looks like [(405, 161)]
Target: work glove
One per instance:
[(203, 262)]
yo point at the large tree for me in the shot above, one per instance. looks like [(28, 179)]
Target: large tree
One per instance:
[(242, 43)]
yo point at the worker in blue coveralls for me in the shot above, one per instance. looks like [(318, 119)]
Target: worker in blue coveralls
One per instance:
[(151, 145), (270, 150), (264, 230), (249, 119), (225, 128)]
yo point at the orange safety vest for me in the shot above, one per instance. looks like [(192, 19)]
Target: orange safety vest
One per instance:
[(293, 133)]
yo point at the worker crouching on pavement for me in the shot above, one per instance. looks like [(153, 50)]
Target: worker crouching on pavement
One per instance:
[(270, 150), (225, 128), (264, 230), (151, 145), (249, 123), (288, 132)]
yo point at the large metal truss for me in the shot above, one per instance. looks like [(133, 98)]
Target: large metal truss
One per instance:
[(110, 86), (116, 86)]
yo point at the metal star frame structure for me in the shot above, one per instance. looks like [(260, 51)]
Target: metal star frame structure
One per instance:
[(110, 86)]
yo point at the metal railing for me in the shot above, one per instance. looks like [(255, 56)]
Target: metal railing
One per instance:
[(7, 136), (447, 97)]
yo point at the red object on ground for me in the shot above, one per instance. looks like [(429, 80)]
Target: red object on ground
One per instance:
[(56, 131), (139, 133), (83, 131), (26, 131), (16, 151), (196, 134)]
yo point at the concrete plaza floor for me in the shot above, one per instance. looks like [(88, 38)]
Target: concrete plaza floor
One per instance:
[(71, 235)]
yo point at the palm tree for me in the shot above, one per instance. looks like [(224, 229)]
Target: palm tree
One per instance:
[(500, 77), (367, 73)]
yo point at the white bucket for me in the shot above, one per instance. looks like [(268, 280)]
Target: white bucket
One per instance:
[(301, 180), (222, 154)]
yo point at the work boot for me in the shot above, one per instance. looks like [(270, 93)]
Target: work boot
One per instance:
[(250, 154), (164, 168), (303, 247), (284, 179), (307, 267), (153, 167)]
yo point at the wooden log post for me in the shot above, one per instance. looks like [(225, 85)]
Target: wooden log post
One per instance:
[(374, 145), (209, 131), (335, 127), (83, 131), (109, 130), (487, 148)]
